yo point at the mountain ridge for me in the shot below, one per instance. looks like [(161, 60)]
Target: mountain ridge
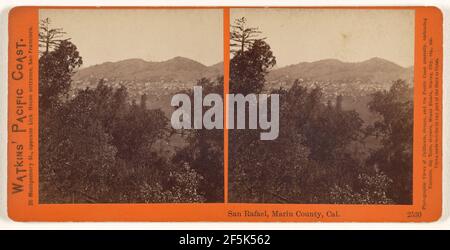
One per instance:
[(184, 69), (372, 70), (174, 69)]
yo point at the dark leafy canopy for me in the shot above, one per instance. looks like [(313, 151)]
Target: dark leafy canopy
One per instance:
[(55, 71), (395, 130), (319, 156), (49, 38)]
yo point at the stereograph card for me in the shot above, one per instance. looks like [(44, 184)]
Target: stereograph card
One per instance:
[(233, 114)]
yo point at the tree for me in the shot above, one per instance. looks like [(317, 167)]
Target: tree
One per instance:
[(55, 73), (49, 38), (262, 171), (372, 189), (311, 155), (267, 171), (313, 160), (184, 188), (109, 153), (204, 151), (395, 131), (58, 60), (241, 36), (330, 130), (100, 146), (249, 68), (138, 128), (252, 59), (143, 102)]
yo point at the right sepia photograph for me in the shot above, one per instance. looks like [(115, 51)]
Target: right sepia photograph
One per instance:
[(344, 78)]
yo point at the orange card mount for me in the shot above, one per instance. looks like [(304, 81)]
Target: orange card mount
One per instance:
[(280, 114)]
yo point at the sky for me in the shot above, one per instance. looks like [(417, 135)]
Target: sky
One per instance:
[(152, 35), (305, 35), (295, 35)]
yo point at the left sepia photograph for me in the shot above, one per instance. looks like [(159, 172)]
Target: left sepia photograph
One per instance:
[(105, 89)]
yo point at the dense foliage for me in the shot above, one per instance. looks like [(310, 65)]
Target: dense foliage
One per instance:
[(322, 154)]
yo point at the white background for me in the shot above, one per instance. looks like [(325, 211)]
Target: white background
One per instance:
[(6, 223)]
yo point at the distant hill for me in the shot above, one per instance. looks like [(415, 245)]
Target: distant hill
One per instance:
[(175, 69), (376, 70)]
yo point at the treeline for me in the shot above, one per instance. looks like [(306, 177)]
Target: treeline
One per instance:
[(321, 154), (99, 146)]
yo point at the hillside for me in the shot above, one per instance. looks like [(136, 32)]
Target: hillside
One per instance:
[(375, 70), (175, 69)]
